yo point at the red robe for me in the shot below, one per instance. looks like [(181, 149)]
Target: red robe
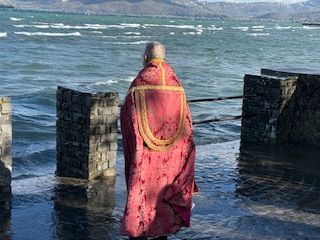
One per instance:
[(159, 154)]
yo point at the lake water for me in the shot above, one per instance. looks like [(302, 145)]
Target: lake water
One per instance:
[(40, 51)]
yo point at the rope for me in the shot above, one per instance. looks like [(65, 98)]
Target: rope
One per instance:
[(226, 118), (215, 99)]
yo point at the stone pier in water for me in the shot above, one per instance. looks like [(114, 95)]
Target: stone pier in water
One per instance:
[(87, 126), (281, 107), (5, 164), (5, 145)]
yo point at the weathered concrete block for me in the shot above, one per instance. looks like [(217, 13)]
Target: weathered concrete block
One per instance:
[(304, 112), (5, 145), (6, 129), (260, 110), (84, 121), (285, 108), (6, 108)]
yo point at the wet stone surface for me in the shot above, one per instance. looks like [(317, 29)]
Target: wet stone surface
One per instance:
[(249, 195)]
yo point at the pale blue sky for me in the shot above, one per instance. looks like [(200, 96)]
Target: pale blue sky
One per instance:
[(280, 1)]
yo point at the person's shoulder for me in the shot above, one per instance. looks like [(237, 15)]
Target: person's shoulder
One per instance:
[(171, 74), (169, 68), (148, 74), (148, 69)]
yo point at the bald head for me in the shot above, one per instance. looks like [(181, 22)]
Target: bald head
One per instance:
[(154, 50)]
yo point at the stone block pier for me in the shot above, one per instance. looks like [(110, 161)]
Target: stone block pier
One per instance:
[(281, 107), (5, 163), (87, 126), (5, 145)]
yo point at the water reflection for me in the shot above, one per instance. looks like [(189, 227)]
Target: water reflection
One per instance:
[(83, 209), (287, 177), (5, 216)]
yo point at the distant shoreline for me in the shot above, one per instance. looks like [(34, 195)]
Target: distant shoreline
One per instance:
[(217, 17), (182, 9), (57, 11), (118, 14), (6, 7)]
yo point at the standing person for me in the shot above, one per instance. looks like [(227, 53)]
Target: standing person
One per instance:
[(159, 151)]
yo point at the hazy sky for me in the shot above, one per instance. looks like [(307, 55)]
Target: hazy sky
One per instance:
[(280, 1)]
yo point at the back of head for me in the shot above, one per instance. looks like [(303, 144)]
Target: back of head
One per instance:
[(154, 50)]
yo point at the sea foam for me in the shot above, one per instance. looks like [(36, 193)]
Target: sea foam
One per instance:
[(15, 19), (311, 27), (171, 26), (48, 34), (128, 43), (130, 25), (42, 26), (214, 28), (258, 34), (62, 26), (96, 32), (132, 33), (188, 33), (241, 28), (19, 26), (110, 82), (94, 26), (3, 34), (282, 27), (255, 27)]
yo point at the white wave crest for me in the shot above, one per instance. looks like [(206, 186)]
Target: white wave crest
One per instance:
[(32, 26), (42, 23), (130, 25), (111, 37), (128, 43), (311, 27), (189, 33), (48, 34), (214, 28), (199, 31), (241, 28), (128, 79), (126, 37), (3, 34), (108, 82), (95, 26), (132, 33), (116, 26), (172, 26), (113, 81), (62, 26), (40, 26), (282, 28), (258, 34), (255, 27), (15, 19)]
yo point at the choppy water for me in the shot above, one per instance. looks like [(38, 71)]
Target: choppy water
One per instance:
[(103, 53)]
